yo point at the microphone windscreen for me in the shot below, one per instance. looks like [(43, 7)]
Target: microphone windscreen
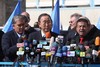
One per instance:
[(86, 43), (54, 46), (64, 49), (72, 41), (20, 53), (59, 53), (94, 52), (35, 42), (92, 46), (68, 43), (71, 53), (20, 49), (77, 50), (20, 45), (89, 53), (82, 48), (20, 40), (82, 54), (24, 37), (89, 50), (51, 41), (97, 41), (71, 48), (48, 34), (48, 54)]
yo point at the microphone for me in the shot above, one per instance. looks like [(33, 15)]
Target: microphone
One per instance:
[(77, 52), (31, 56), (43, 54), (72, 41), (68, 43), (72, 45), (20, 54), (86, 45), (34, 44), (53, 50), (82, 49), (20, 44), (51, 41), (27, 50), (24, 37), (48, 55), (38, 52), (98, 53), (20, 40), (97, 41), (64, 50), (88, 54), (20, 51), (71, 55), (64, 53), (58, 56), (26, 47), (45, 40), (94, 52), (82, 53), (47, 47), (33, 47), (48, 36), (59, 39)]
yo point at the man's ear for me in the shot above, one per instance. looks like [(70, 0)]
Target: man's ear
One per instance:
[(39, 24), (13, 25)]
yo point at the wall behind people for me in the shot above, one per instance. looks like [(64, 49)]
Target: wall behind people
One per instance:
[(7, 7), (65, 14)]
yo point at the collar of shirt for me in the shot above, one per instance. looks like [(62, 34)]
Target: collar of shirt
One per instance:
[(43, 35), (19, 35)]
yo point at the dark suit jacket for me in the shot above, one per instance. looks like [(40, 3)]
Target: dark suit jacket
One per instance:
[(38, 36), (9, 47), (30, 30), (1, 53)]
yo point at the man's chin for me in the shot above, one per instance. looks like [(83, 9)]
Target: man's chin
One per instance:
[(47, 30), (20, 32), (81, 34)]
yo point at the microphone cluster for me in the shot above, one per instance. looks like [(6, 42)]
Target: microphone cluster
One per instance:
[(55, 52)]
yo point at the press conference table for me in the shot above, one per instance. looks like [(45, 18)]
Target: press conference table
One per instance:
[(56, 65)]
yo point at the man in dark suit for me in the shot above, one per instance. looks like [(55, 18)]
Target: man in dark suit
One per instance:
[(72, 24), (1, 53), (85, 30), (10, 39), (45, 25), (86, 33), (28, 28)]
